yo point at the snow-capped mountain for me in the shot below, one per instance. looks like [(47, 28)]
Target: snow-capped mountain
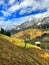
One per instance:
[(38, 20)]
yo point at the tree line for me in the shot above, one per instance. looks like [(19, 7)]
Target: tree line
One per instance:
[(2, 31)]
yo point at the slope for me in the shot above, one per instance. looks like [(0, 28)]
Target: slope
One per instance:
[(13, 54), (33, 32)]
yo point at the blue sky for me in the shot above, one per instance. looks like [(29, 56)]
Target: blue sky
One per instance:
[(14, 12)]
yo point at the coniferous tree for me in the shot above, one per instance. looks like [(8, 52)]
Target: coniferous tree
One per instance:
[(8, 33), (5, 32), (2, 31)]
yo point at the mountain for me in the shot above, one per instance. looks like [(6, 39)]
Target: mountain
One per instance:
[(28, 23), (36, 22), (13, 54)]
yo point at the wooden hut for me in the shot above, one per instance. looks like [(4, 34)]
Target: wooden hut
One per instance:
[(37, 43)]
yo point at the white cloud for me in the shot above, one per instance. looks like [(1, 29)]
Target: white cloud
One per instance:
[(30, 3), (27, 3), (33, 4), (6, 13), (2, 18), (44, 4), (11, 2), (22, 11), (23, 4), (14, 8), (1, 2), (5, 24)]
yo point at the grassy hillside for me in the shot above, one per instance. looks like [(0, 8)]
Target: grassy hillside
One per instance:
[(32, 32), (12, 52)]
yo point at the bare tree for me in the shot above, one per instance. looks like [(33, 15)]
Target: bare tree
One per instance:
[(26, 37)]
